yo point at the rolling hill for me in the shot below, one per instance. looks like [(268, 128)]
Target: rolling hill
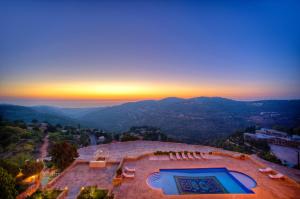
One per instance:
[(191, 120), (196, 119), (27, 114)]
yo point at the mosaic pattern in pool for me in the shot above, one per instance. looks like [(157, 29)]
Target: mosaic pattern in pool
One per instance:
[(199, 185), (201, 181)]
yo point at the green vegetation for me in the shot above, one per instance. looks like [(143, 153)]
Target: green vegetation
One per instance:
[(145, 133), (173, 152), (268, 156), (79, 138), (236, 142), (11, 167), (128, 137), (7, 185), (17, 143), (292, 131), (200, 120), (259, 145), (163, 152), (154, 136), (84, 139), (20, 144), (48, 194), (59, 136), (63, 154), (108, 136), (27, 169), (94, 193), (15, 140), (19, 147), (119, 171), (31, 168)]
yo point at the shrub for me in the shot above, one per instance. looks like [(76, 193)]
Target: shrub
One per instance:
[(162, 152), (128, 137), (11, 167), (93, 193), (7, 185), (119, 171), (48, 194), (269, 157), (49, 164), (63, 154), (32, 167), (9, 135)]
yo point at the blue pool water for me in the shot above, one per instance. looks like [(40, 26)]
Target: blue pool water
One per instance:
[(201, 181)]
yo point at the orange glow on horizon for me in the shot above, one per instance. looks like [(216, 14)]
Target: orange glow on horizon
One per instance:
[(124, 91)]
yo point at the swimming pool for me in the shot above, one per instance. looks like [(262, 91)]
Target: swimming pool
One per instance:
[(201, 181)]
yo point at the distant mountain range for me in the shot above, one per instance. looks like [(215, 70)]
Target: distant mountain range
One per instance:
[(191, 120)]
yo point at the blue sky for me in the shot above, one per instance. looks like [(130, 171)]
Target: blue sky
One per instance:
[(219, 48)]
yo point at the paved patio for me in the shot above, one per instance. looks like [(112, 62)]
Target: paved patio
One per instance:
[(266, 188), (82, 175)]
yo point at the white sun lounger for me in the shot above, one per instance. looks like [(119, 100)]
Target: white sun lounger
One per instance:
[(277, 176), (178, 156), (183, 156), (190, 156), (172, 156), (130, 169), (202, 156), (128, 175), (266, 170), (196, 156)]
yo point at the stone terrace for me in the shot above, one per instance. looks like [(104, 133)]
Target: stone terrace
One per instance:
[(266, 188), (118, 150), (82, 175)]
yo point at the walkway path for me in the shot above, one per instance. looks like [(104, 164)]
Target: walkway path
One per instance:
[(92, 139), (44, 148)]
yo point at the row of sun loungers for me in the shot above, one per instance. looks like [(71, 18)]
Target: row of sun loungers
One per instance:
[(270, 170), (183, 156)]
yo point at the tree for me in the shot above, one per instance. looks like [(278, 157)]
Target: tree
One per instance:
[(9, 134), (7, 185), (250, 129), (117, 137), (32, 167), (63, 154), (51, 128), (11, 167), (84, 139)]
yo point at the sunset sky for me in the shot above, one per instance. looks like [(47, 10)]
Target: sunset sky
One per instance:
[(90, 53)]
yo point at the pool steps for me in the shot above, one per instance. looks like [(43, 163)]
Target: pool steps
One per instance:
[(154, 180)]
